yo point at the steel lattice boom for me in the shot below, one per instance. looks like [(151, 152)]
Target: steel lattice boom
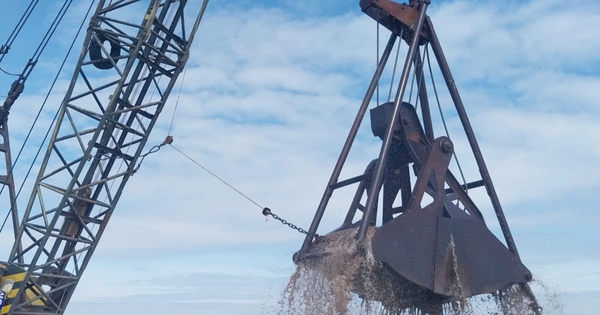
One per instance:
[(122, 80)]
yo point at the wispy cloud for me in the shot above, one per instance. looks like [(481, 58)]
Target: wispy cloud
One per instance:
[(267, 101)]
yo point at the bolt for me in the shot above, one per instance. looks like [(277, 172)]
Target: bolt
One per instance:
[(528, 276), (447, 146), (296, 258), (265, 211)]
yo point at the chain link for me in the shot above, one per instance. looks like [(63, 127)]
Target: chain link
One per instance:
[(267, 212)]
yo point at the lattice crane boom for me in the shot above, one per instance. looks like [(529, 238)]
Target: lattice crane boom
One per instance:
[(124, 75)]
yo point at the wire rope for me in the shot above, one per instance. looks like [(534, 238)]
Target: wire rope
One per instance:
[(177, 101), (52, 28), (417, 98), (39, 113), (15, 33), (412, 85), (136, 92), (377, 55), (145, 72), (395, 65), (462, 175), (9, 73), (265, 211), (43, 43), (217, 177), (93, 225)]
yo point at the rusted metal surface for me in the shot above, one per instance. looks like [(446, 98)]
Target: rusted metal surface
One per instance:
[(333, 180), (441, 247), (462, 114), (451, 254), (395, 16), (380, 166)]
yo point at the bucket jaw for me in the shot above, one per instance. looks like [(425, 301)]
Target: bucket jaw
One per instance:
[(435, 245), (448, 252), (440, 246)]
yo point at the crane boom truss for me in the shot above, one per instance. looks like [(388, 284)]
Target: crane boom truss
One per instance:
[(122, 80), (7, 180)]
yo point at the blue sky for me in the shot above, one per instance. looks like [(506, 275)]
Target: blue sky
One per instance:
[(270, 92)]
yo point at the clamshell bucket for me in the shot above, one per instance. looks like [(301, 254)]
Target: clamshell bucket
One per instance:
[(419, 227), (448, 252), (438, 251), (439, 246)]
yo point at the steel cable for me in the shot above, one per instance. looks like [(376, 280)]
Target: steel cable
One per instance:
[(61, 14), (462, 175), (417, 98), (11, 38), (45, 40), (9, 73), (38, 115), (217, 177), (265, 211), (177, 102), (395, 65), (377, 59)]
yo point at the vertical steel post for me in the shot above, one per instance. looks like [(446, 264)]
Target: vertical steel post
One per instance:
[(441, 59), (387, 140), (348, 144), (425, 110)]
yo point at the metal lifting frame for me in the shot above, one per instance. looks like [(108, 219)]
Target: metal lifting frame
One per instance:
[(405, 21), (102, 128)]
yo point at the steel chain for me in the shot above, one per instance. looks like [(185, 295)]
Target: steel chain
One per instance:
[(267, 212)]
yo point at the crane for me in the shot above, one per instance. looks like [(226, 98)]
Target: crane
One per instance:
[(126, 71), (124, 75)]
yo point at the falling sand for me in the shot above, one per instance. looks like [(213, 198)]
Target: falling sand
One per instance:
[(337, 276)]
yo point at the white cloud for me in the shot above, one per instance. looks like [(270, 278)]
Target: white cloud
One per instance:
[(267, 102)]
